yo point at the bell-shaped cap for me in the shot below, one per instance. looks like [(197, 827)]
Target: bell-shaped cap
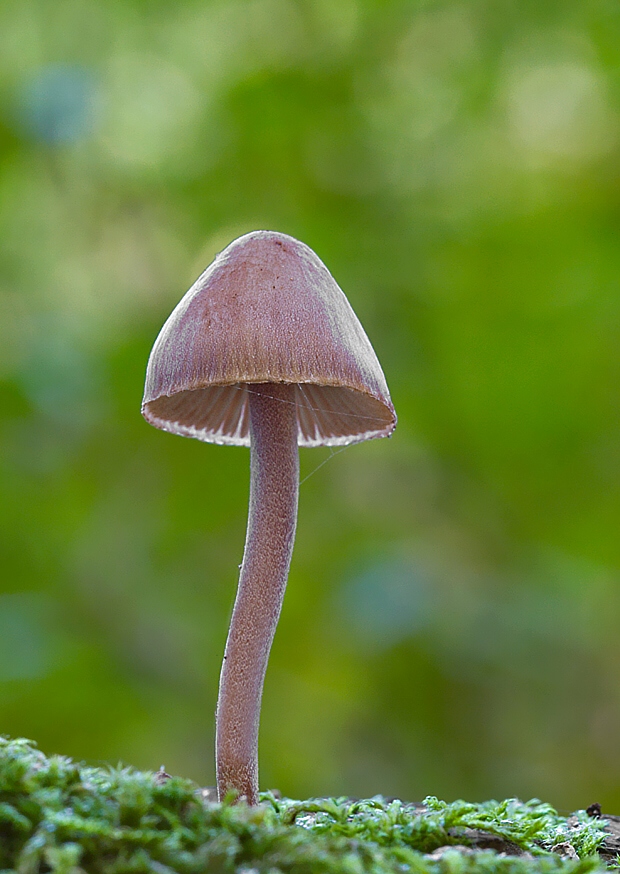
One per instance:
[(266, 310)]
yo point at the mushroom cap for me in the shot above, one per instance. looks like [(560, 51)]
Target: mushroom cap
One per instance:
[(267, 310)]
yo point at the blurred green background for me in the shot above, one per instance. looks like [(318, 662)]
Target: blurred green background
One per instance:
[(451, 622)]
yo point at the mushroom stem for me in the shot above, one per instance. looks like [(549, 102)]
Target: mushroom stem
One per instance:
[(272, 518)]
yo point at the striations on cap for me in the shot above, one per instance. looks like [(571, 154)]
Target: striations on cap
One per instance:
[(267, 310)]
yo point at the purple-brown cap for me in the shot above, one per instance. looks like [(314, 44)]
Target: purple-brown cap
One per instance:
[(266, 310)]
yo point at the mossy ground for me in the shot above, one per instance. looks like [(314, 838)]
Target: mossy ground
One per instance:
[(62, 817)]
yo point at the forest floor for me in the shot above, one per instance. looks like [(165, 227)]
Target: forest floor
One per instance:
[(63, 817)]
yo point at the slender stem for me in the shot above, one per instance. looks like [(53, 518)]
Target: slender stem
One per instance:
[(274, 489)]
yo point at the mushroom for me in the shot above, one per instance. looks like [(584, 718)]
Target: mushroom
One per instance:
[(263, 351)]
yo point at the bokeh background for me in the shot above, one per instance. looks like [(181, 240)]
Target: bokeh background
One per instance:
[(451, 623)]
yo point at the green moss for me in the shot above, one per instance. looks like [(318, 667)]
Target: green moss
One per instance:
[(58, 816)]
